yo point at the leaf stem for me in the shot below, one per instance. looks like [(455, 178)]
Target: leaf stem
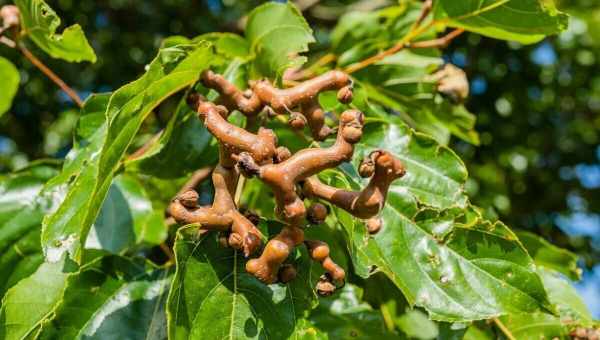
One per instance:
[(6, 41), (439, 42), (142, 150), (310, 71), (197, 177), (425, 10), (50, 74), (503, 329)]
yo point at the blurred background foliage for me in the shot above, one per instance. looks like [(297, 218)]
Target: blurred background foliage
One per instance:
[(538, 165)]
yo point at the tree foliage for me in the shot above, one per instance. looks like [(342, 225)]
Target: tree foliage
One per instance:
[(87, 250)]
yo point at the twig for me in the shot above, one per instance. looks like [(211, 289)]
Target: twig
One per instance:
[(48, 72), (503, 329), (379, 56), (425, 10), (197, 177), (406, 43), (439, 42), (142, 150), (310, 71), (7, 42)]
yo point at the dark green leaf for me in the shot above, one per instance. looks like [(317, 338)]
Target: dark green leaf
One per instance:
[(422, 108), (40, 23), (361, 34)]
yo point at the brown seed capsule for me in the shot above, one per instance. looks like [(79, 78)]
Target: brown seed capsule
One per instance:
[(324, 286), (319, 251), (352, 121), (287, 273), (317, 213), (374, 225), (290, 177), (246, 165), (281, 154), (345, 95), (252, 244), (366, 168), (297, 121), (235, 241), (189, 198)]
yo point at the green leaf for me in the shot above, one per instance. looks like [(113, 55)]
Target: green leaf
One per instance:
[(20, 221), (345, 316), (213, 297), (228, 44), (25, 201), (435, 175), (442, 261), (21, 260), (25, 204), (9, 84), (277, 33), (419, 106), (361, 34), (126, 218), (112, 297), (571, 312), (480, 331), (40, 22), (415, 324), (26, 305), (446, 264), (550, 256), (172, 70), (525, 21), (569, 304)]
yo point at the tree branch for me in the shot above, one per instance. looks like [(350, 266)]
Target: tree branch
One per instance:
[(50, 74), (439, 42), (140, 152), (406, 43)]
